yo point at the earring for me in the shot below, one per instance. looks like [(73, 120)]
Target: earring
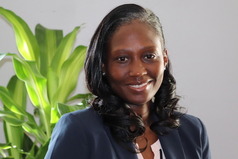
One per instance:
[(103, 73), (153, 99)]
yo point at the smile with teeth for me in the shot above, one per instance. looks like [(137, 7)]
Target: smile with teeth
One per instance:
[(139, 85)]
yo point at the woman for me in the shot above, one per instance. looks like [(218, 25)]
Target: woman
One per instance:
[(135, 112)]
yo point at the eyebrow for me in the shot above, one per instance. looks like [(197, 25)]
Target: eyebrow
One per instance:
[(128, 49)]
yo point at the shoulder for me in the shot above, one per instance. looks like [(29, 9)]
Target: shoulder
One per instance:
[(190, 122), (191, 127), (192, 131), (193, 134), (188, 119), (85, 119), (82, 114), (78, 122), (72, 132)]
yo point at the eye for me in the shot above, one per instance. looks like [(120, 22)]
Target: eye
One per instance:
[(150, 56), (122, 59)]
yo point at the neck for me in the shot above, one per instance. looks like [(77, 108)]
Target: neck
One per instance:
[(143, 111)]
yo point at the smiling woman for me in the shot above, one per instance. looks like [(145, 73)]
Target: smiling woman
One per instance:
[(135, 113), (135, 63)]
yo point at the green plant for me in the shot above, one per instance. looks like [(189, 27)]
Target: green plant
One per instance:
[(47, 69)]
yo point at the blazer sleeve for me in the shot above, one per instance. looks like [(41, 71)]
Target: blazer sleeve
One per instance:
[(206, 154), (67, 140)]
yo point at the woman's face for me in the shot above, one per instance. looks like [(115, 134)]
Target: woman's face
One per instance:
[(135, 63)]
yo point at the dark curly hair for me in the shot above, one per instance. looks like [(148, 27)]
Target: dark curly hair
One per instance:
[(113, 110)]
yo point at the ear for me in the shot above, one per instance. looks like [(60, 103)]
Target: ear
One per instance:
[(166, 58)]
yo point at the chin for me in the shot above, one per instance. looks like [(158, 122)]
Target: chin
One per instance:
[(138, 103)]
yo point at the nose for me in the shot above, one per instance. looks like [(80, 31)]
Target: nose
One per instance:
[(137, 69)]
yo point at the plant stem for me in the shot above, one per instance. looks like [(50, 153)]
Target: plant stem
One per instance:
[(46, 122)]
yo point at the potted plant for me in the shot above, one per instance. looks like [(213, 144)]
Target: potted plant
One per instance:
[(47, 69)]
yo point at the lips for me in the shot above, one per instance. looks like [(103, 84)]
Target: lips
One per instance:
[(139, 87)]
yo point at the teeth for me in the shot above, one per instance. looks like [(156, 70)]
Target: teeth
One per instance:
[(138, 86)]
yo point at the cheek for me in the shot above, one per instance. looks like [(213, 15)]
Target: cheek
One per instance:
[(115, 75), (157, 70), (159, 80), (157, 73), (160, 73)]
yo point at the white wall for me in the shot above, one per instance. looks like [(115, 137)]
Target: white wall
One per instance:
[(201, 38)]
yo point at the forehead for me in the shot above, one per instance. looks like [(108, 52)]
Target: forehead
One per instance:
[(127, 24), (133, 33)]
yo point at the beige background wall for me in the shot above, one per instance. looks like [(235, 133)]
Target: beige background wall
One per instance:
[(202, 39)]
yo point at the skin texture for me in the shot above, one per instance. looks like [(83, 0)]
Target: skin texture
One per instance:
[(134, 69)]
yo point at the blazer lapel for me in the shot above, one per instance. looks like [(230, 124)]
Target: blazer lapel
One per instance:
[(172, 146)]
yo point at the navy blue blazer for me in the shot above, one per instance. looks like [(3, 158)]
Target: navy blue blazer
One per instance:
[(83, 135)]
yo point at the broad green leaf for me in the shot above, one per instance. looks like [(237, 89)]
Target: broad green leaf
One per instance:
[(54, 115), (17, 91), (64, 50), (52, 83), (22, 70), (36, 86), (14, 114), (32, 128), (26, 41), (49, 41), (15, 134), (35, 82), (31, 120), (28, 125), (69, 73), (9, 103), (49, 73), (36, 132), (12, 121), (11, 118)]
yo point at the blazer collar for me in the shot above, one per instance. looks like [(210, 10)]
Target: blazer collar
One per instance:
[(172, 146), (171, 143)]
